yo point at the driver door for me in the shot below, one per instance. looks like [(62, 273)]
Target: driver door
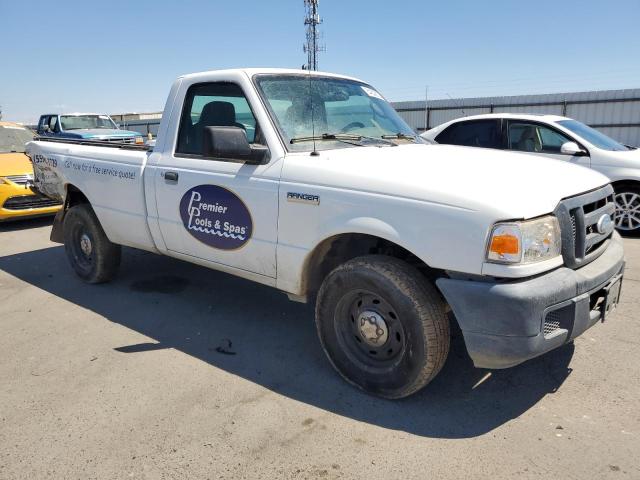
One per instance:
[(218, 210)]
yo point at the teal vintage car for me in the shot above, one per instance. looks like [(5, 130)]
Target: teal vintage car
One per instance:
[(85, 126)]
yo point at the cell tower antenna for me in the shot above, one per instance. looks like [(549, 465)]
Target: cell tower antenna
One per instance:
[(312, 45)]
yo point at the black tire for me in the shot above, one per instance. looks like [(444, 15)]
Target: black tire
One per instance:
[(627, 216), (96, 261), (416, 343)]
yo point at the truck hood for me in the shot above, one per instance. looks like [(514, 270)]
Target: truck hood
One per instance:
[(103, 133), (510, 185), (14, 164)]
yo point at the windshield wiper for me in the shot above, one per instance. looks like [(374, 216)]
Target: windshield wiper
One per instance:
[(400, 136), (342, 137), (328, 136)]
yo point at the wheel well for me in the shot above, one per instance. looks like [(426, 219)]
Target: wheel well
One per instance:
[(625, 183), (75, 196), (339, 249)]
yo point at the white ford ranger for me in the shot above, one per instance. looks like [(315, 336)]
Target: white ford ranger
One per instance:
[(311, 183)]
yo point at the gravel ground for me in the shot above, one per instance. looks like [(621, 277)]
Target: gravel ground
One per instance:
[(175, 371)]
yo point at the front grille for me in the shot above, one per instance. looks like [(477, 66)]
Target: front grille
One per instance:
[(558, 321), (27, 202), (128, 140), (20, 179), (551, 323), (578, 217)]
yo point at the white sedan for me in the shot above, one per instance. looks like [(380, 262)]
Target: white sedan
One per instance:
[(557, 137)]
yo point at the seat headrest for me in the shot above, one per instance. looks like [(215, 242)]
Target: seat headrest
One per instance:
[(218, 114)]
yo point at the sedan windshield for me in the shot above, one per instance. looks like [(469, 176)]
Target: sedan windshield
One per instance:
[(79, 122), (13, 139), (593, 136), (333, 112)]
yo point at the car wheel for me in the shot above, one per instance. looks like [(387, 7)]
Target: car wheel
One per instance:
[(93, 257), (627, 215), (382, 325)]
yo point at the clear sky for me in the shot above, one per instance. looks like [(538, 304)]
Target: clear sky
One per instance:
[(121, 56)]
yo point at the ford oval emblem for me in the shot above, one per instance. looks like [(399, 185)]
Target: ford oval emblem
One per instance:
[(605, 224)]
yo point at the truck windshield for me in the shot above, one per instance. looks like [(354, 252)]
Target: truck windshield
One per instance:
[(328, 110), (593, 136), (13, 139), (78, 122)]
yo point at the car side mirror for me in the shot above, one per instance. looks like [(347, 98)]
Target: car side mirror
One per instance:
[(231, 143), (572, 148)]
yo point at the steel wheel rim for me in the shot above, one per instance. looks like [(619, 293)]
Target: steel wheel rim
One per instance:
[(82, 247), (627, 214), (366, 354)]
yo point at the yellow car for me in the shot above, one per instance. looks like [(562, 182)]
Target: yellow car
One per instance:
[(17, 199)]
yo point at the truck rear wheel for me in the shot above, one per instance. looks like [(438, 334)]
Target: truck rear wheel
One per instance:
[(382, 325), (93, 257)]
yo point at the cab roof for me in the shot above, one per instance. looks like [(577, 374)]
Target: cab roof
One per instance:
[(257, 71)]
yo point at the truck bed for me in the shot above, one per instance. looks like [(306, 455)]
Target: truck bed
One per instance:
[(110, 176), (95, 143)]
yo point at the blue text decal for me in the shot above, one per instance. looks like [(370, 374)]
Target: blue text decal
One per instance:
[(216, 216)]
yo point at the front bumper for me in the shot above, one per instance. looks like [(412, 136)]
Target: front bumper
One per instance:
[(506, 323), (17, 202)]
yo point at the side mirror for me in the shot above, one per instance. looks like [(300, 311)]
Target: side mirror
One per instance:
[(231, 143), (572, 148)]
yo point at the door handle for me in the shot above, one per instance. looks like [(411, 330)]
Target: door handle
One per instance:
[(171, 176)]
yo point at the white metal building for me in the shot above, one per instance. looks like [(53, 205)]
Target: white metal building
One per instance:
[(614, 112)]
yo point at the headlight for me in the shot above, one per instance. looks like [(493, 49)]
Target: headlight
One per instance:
[(525, 242), (139, 140)]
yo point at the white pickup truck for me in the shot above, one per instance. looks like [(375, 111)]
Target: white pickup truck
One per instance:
[(311, 183)]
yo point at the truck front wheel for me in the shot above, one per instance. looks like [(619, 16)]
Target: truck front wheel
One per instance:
[(93, 257), (382, 325)]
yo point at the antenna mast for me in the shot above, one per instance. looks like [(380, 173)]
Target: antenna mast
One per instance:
[(312, 45)]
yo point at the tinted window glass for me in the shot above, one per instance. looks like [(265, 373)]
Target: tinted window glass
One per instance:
[(478, 133), (213, 105), (532, 137), (593, 136)]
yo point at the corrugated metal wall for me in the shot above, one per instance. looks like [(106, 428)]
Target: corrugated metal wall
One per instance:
[(614, 112)]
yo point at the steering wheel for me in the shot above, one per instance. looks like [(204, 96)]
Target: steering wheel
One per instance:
[(351, 126)]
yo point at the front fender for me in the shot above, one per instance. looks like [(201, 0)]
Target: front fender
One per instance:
[(617, 173)]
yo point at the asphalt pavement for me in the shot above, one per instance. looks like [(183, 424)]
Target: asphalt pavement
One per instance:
[(176, 371)]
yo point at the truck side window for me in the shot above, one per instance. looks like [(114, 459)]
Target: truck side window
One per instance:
[(53, 123), (477, 133), (44, 120), (531, 137), (220, 104)]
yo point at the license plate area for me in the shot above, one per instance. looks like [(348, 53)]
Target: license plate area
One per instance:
[(610, 296)]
